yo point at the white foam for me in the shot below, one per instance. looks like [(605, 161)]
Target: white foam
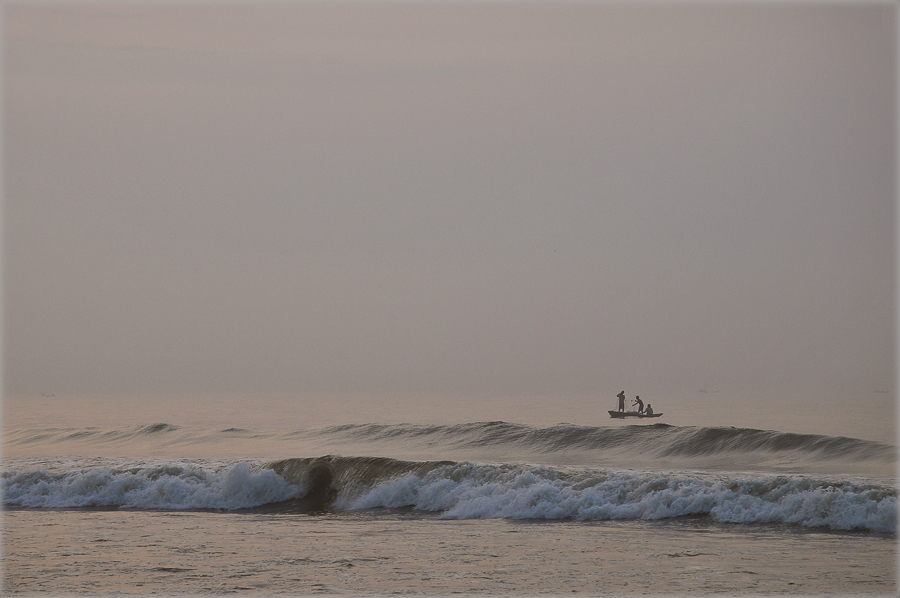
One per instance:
[(468, 491), (164, 486)]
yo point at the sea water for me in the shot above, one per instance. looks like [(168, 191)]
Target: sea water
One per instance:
[(282, 496)]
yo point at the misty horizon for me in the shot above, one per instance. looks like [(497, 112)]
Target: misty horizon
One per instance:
[(437, 199)]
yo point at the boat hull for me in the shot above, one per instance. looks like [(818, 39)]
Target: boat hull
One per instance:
[(624, 414)]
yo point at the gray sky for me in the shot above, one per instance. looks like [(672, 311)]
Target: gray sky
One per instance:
[(449, 198)]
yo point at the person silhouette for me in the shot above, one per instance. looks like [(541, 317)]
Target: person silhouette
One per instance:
[(640, 404), (648, 410), (621, 397)]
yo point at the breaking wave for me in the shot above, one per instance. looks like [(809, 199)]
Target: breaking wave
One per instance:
[(158, 486), (464, 490)]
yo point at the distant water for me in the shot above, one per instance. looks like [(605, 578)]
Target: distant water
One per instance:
[(654, 446)]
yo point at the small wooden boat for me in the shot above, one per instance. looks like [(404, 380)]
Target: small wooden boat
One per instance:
[(624, 414)]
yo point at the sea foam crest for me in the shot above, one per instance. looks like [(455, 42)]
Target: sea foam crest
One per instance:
[(467, 491), (161, 486)]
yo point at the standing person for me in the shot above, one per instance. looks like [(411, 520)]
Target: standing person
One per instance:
[(640, 404), (621, 396)]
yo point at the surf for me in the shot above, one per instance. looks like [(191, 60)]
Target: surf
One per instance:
[(461, 490)]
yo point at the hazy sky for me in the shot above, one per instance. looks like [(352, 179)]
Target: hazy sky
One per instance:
[(536, 198)]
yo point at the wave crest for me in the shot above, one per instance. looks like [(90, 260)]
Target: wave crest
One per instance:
[(468, 490), (659, 439), (464, 490), (161, 486)]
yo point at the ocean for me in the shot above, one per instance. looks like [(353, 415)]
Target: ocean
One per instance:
[(137, 495)]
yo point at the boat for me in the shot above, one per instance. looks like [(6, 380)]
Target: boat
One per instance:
[(624, 414)]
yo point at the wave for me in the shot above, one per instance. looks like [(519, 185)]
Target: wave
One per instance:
[(90, 434), (661, 440), (464, 490), (171, 486)]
